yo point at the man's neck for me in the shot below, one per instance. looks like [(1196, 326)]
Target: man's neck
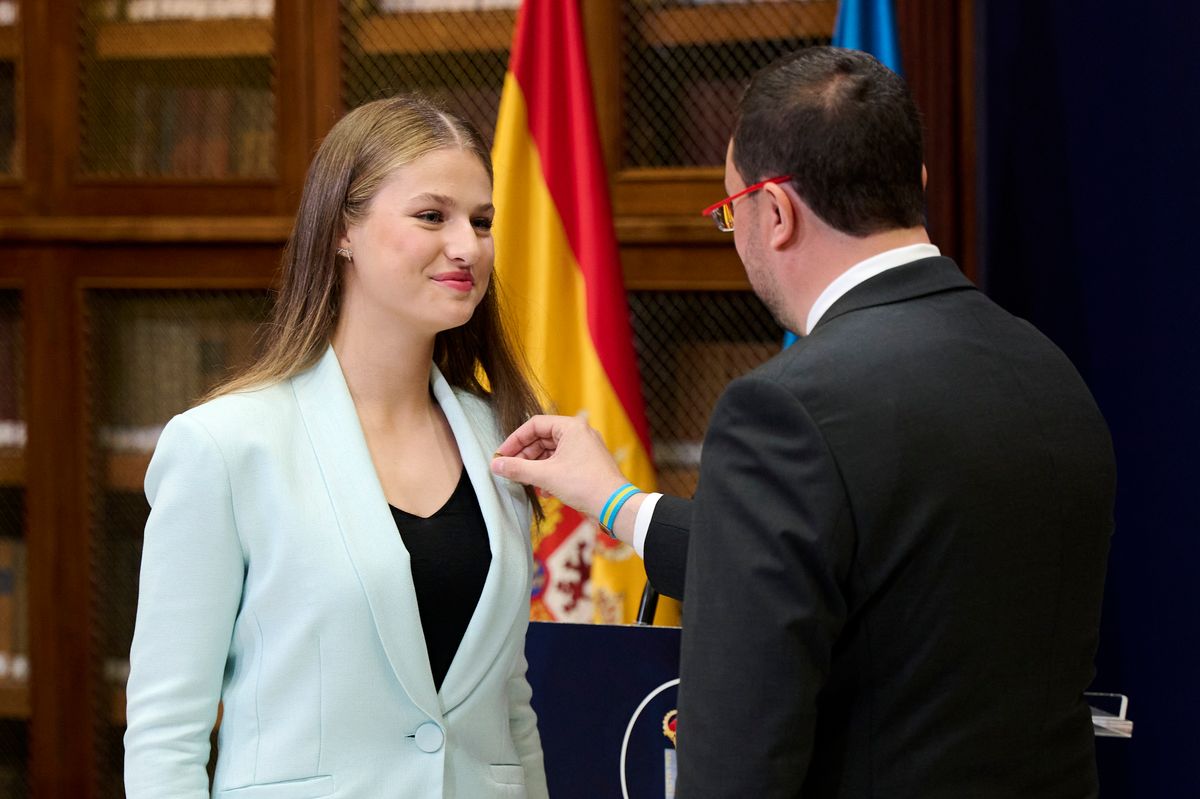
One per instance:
[(834, 253), (844, 251)]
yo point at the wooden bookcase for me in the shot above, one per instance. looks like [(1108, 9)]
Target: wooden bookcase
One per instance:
[(148, 172)]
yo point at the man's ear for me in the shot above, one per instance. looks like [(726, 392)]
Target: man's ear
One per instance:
[(786, 221)]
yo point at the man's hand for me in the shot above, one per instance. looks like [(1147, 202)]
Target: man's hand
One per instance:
[(565, 457)]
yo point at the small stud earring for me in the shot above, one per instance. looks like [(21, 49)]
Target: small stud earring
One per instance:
[(345, 253)]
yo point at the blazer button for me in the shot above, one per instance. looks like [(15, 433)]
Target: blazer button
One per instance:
[(429, 737)]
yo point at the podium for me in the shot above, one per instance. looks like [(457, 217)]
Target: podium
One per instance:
[(605, 697)]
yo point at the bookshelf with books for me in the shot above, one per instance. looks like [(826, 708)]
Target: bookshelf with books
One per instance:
[(456, 52), (683, 66), (15, 618), (672, 73), (158, 354), (178, 98), (690, 345), (141, 225), (177, 107), (153, 354)]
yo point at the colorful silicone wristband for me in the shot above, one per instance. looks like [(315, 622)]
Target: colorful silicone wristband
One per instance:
[(608, 515)]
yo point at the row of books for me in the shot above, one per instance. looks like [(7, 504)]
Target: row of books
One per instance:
[(399, 6), (152, 366), (14, 611), (213, 132), (716, 2), (150, 10), (147, 10), (745, 2)]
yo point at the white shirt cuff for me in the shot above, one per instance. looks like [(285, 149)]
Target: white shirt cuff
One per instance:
[(641, 524)]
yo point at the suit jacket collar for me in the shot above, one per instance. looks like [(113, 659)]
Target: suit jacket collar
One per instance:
[(377, 551), (917, 279)]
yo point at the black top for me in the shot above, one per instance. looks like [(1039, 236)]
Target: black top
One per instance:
[(450, 556)]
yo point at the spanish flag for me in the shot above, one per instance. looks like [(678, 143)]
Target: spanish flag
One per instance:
[(557, 264)]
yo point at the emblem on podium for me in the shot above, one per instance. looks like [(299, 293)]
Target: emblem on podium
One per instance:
[(639, 752), (670, 767)]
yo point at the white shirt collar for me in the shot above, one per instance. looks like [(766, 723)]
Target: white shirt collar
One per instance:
[(863, 271)]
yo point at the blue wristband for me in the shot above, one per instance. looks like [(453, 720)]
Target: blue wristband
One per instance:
[(608, 515)]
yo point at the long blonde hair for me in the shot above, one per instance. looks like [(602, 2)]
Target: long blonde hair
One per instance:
[(361, 151)]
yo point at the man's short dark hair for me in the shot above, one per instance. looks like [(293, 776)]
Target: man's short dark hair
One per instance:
[(845, 128)]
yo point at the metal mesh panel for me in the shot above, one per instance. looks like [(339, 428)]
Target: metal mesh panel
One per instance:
[(152, 355), (14, 606), (689, 346), (178, 98), (11, 94), (686, 63), (456, 57)]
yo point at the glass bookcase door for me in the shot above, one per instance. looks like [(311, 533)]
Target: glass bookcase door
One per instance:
[(11, 100), (454, 51), (178, 90), (683, 65), (14, 594), (690, 345), (152, 354), (686, 62)]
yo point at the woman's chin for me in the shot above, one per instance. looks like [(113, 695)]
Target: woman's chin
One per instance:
[(453, 321)]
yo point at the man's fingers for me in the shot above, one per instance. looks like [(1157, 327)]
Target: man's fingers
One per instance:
[(536, 451), (534, 438), (521, 443), (518, 470)]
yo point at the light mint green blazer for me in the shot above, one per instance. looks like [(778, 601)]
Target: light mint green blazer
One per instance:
[(274, 580)]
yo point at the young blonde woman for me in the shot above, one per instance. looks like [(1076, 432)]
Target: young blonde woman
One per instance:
[(327, 553)]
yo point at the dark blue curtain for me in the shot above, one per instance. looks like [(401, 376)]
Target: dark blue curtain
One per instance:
[(1089, 124)]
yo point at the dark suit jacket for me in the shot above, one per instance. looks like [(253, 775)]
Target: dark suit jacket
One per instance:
[(894, 559)]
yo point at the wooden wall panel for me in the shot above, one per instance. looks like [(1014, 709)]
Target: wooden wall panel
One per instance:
[(936, 43)]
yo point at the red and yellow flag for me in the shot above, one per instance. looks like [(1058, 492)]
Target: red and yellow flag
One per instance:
[(556, 259)]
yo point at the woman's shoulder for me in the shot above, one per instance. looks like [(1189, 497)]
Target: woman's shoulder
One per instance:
[(225, 432), (242, 414)]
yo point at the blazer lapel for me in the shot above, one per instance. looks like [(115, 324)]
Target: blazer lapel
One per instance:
[(506, 587), (366, 525)]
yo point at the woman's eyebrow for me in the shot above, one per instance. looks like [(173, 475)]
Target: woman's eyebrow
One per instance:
[(442, 199)]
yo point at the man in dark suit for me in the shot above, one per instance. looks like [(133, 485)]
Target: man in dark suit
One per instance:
[(895, 557)]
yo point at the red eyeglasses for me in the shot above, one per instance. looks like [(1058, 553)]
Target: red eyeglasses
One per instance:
[(722, 212)]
